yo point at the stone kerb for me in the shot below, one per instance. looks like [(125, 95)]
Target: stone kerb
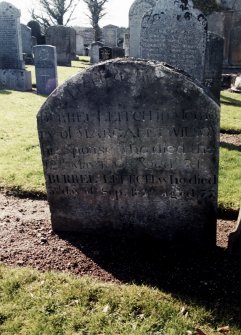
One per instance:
[(132, 145)]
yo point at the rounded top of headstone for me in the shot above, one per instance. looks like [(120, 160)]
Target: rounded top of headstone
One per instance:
[(139, 3), (8, 9), (140, 81)]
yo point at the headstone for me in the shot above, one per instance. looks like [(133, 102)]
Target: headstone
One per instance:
[(109, 35), (95, 52), (176, 33), (132, 145), (235, 41), (12, 69), (72, 43), (137, 10), (27, 43), (62, 38), (105, 53), (214, 64), (118, 52), (126, 44), (84, 37), (45, 59)]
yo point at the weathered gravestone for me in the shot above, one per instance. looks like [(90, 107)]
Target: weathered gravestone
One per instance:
[(12, 68), (214, 64), (26, 36), (45, 59), (137, 10), (64, 39), (126, 44), (132, 144), (109, 35), (105, 53), (176, 33), (36, 32), (95, 52)]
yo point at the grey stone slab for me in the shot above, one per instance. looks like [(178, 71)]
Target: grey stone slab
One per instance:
[(136, 13), (45, 59), (176, 33), (13, 79), (95, 52), (126, 44), (214, 64), (132, 145), (26, 39), (11, 54), (118, 52), (62, 38), (109, 35), (235, 41)]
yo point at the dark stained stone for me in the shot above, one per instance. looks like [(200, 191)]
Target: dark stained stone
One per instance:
[(105, 53), (132, 145)]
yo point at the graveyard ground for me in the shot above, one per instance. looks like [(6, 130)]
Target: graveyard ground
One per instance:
[(191, 290)]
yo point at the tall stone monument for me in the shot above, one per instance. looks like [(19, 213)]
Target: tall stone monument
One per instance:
[(12, 68), (132, 145), (45, 59), (137, 10), (176, 33)]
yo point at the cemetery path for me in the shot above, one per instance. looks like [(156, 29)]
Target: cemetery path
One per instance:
[(27, 240)]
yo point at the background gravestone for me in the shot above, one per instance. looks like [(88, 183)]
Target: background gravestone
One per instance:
[(12, 68), (137, 10), (214, 64), (105, 53), (45, 59), (27, 43), (109, 35), (118, 52), (175, 33), (132, 145), (95, 52), (126, 44), (62, 38)]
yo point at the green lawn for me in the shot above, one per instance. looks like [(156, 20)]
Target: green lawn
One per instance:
[(34, 303), (231, 112)]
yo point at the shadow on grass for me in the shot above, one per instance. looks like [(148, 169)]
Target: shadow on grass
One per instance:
[(230, 101), (5, 92), (209, 278), (230, 146), (18, 192)]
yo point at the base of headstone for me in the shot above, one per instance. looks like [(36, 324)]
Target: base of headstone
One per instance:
[(19, 80)]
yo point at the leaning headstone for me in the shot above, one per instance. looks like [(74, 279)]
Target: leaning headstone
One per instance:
[(214, 64), (137, 10), (95, 52), (12, 68), (105, 53), (176, 33), (132, 145), (27, 43), (45, 59), (62, 38), (109, 35), (126, 44)]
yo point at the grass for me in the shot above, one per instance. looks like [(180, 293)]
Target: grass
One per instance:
[(60, 304), (21, 167), (231, 112)]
